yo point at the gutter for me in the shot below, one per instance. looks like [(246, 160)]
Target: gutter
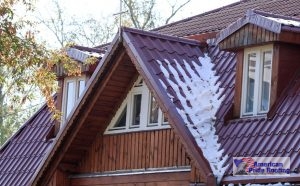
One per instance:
[(260, 179)]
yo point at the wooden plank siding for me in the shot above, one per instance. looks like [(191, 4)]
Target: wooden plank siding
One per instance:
[(249, 35), (135, 150), (174, 179)]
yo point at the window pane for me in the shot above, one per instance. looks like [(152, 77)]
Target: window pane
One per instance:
[(251, 65), (70, 97), (153, 111), (266, 81), (165, 118), (81, 87), (122, 119), (137, 100)]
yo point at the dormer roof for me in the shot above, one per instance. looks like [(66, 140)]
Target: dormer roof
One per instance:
[(258, 27)]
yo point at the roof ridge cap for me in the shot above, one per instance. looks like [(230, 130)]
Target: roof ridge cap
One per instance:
[(162, 36)]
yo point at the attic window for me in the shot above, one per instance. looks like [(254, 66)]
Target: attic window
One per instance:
[(139, 111), (256, 80), (73, 89)]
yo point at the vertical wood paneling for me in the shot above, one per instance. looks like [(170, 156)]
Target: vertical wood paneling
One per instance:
[(136, 150), (248, 35)]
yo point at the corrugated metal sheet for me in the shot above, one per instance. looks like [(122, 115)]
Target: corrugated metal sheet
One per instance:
[(224, 16), (23, 152)]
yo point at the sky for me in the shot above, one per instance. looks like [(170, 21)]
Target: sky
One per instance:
[(104, 9)]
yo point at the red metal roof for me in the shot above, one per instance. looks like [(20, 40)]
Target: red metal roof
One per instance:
[(22, 153), (218, 19), (278, 136)]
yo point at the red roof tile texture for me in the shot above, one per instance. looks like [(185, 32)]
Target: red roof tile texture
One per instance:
[(216, 20), (23, 152)]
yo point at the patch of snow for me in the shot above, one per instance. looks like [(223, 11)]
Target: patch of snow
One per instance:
[(200, 103), (270, 184), (93, 54), (285, 21)]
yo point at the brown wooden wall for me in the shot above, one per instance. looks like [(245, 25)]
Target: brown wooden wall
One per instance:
[(135, 150), (59, 178), (248, 35), (288, 64)]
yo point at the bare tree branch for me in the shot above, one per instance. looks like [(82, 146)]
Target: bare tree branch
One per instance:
[(175, 10)]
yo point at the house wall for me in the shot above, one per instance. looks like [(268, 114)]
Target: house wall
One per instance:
[(59, 178), (135, 150), (138, 150), (288, 64), (248, 35)]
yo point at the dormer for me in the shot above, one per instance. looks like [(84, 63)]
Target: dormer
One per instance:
[(268, 57), (72, 87)]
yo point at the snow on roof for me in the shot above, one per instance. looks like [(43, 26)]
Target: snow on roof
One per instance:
[(200, 102), (286, 22), (81, 55), (270, 184)]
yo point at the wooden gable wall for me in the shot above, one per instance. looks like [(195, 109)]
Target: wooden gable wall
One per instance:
[(91, 152), (138, 150), (156, 149), (248, 35), (135, 150)]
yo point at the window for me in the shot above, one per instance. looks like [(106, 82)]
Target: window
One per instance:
[(73, 89), (139, 111), (256, 81)]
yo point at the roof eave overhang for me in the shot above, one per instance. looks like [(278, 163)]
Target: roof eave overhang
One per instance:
[(48, 165)]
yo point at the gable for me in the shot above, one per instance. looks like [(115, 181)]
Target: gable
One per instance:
[(257, 28), (135, 54)]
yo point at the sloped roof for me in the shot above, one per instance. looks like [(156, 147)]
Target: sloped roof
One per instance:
[(144, 49), (218, 19), (81, 53), (22, 153), (250, 137)]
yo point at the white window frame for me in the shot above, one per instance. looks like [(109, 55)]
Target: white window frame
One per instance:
[(144, 114), (258, 80), (67, 80)]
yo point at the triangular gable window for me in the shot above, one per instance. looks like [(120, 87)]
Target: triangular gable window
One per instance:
[(139, 111)]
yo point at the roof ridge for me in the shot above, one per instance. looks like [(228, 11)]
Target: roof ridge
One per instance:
[(162, 36), (264, 13), (200, 15)]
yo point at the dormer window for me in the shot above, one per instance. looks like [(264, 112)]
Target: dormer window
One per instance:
[(139, 111), (257, 70), (73, 88)]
